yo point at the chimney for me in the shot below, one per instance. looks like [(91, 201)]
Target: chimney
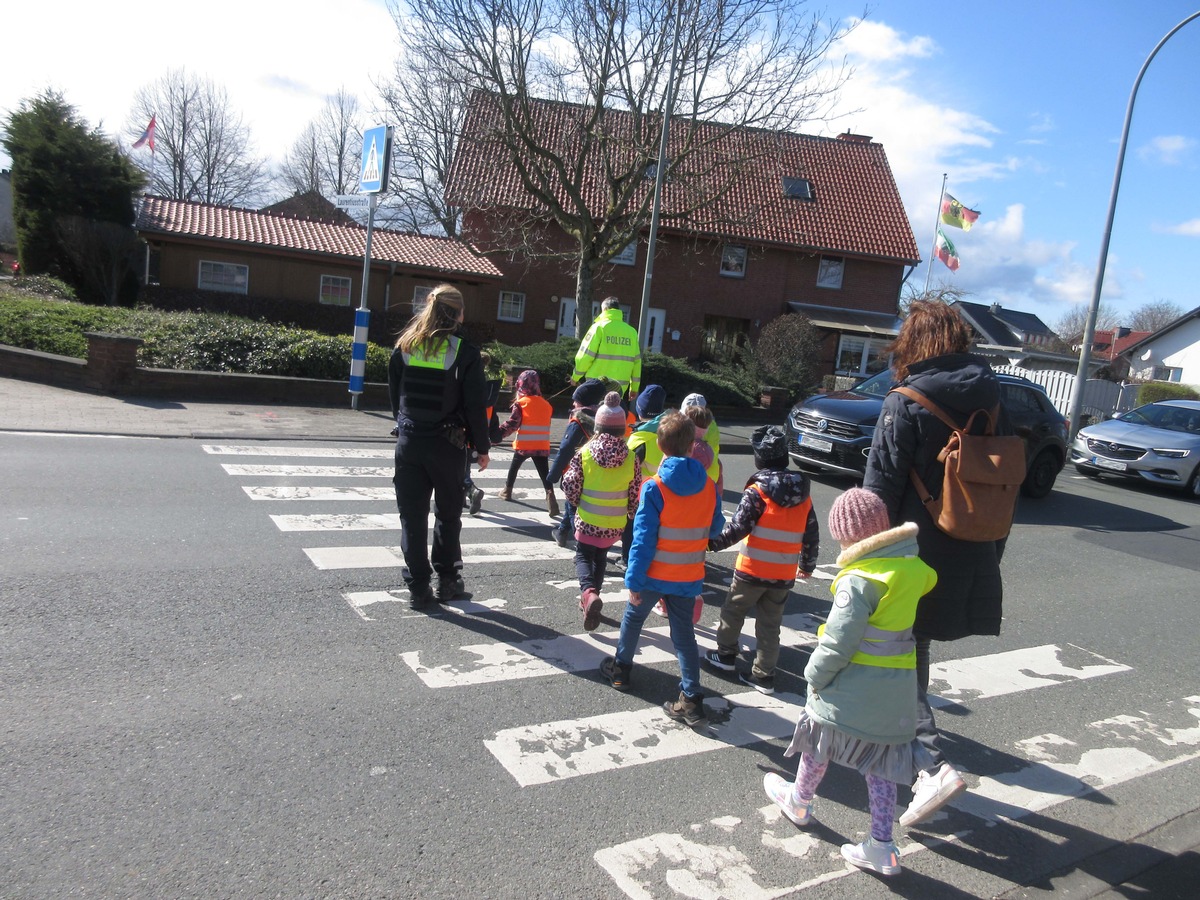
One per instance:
[(995, 309), (855, 138), (1122, 331)]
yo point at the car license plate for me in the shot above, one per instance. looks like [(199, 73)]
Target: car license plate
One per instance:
[(816, 443), (1113, 464)]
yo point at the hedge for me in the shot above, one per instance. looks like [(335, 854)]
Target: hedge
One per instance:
[(1152, 391)]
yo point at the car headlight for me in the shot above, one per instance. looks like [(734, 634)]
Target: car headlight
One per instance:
[(1171, 454)]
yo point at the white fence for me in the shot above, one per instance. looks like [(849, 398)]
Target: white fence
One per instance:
[(1100, 398)]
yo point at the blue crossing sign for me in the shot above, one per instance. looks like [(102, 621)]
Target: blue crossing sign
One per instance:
[(376, 159)]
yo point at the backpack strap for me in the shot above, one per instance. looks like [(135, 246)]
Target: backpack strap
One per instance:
[(924, 401)]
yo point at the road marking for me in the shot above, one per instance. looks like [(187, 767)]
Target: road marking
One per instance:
[(284, 471), (704, 860), (324, 494), (328, 452), (1013, 671), (360, 600), (539, 754), (521, 519), (382, 557)]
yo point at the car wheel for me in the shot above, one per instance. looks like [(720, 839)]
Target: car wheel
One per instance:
[(1040, 479)]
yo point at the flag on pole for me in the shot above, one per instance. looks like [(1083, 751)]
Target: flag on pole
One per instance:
[(944, 250), (147, 138), (954, 213)]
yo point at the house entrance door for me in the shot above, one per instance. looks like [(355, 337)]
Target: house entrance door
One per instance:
[(566, 317)]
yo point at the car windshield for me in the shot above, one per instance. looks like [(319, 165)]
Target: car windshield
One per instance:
[(877, 385), (1171, 418)]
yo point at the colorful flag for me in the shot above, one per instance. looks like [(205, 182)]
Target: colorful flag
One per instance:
[(147, 138), (954, 213), (945, 251)]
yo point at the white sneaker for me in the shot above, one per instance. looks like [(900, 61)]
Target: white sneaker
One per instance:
[(781, 792), (878, 856), (931, 793)]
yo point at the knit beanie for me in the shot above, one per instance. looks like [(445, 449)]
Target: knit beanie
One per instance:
[(529, 383), (857, 515), (610, 414), (650, 401), (693, 400), (590, 393)]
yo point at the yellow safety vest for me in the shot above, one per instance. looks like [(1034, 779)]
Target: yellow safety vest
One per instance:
[(610, 350), (888, 641), (604, 500), (654, 455)]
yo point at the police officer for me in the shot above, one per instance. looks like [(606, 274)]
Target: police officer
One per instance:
[(610, 349), (439, 399)]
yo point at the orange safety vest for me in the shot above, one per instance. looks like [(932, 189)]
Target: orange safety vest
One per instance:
[(534, 433), (773, 545), (683, 528), (630, 421)]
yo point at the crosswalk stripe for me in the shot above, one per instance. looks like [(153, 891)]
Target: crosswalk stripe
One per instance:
[(1104, 754), (521, 519), (574, 744), (258, 470), (381, 557), (323, 493), (327, 452), (998, 674)]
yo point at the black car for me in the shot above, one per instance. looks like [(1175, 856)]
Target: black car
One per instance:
[(833, 431)]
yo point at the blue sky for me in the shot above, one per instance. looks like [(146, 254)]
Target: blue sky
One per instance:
[(1019, 103)]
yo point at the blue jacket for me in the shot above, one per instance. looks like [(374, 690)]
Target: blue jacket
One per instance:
[(685, 476)]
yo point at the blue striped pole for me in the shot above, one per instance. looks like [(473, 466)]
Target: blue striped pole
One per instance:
[(358, 352)]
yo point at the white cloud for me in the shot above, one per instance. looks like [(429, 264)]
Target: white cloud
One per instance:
[(1166, 149), (1190, 228)]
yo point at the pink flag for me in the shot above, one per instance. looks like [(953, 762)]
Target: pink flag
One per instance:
[(147, 138)]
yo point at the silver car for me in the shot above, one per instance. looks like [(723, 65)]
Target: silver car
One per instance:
[(1158, 443)]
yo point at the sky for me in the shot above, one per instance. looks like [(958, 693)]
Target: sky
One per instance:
[(1019, 104)]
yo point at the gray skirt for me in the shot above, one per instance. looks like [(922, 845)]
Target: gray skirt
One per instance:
[(898, 763)]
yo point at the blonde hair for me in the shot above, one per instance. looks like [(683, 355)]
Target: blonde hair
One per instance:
[(436, 322), (676, 433), (700, 416)]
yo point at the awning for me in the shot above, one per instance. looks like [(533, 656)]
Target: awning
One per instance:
[(849, 319)]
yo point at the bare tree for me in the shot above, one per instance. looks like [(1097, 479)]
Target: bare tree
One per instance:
[(203, 150), (1155, 315), (1071, 326), (324, 158), (743, 70)]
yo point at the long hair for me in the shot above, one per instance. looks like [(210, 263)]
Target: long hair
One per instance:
[(437, 321), (931, 329)]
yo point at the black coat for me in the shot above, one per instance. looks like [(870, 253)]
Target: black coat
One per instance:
[(968, 598)]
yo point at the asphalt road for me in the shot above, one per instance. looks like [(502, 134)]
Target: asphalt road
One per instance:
[(214, 687)]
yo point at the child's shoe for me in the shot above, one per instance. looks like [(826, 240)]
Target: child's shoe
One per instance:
[(616, 673), (562, 538), (552, 504), (660, 608), (591, 604), (764, 684), (689, 710), (698, 609), (505, 493), (783, 793), (877, 856), (931, 793), (718, 660)]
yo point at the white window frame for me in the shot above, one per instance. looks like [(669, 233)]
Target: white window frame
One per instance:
[(336, 283), (420, 297), (733, 261), (230, 278), (1166, 373), (627, 257), (830, 272), (516, 311), (863, 353)]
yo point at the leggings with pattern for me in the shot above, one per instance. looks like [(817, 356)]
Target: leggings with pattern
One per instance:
[(881, 794)]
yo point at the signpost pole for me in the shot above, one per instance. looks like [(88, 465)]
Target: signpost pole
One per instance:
[(362, 317)]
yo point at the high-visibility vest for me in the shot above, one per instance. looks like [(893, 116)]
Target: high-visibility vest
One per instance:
[(648, 439), (630, 421), (534, 433), (888, 641), (773, 545), (611, 350), (712, 437), (604, 500), (683, 528), (425, 378)]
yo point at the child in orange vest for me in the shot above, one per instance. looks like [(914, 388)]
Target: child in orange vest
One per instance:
[(530, 420), (602, 482), (776, 518), (678, 513)]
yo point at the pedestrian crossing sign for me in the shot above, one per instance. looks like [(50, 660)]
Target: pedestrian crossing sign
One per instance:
[(376, 159)]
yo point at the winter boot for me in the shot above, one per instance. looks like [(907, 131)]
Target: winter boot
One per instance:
[(689, 710), (505, 493), (552, 504)]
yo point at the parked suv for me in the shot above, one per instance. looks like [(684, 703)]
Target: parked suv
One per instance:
[(833, 431)]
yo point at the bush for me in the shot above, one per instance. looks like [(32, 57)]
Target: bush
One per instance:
[(52, 326), (1153, 391)]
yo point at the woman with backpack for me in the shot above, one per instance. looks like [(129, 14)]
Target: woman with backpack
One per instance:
[(931, 357)]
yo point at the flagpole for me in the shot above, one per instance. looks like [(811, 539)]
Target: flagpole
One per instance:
[(936, 218)]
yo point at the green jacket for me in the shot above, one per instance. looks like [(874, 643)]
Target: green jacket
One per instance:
[(610, 350)]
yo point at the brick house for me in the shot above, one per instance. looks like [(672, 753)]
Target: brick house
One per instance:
[(302, 270), (817, 226)]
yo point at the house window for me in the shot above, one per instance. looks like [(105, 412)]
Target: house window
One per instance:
[(335, 290), (861, 355), (217, 276), (798, 188), (733, 261), (829, 275), (512, 307), (626, 257), (1166, 373), (420, 298)]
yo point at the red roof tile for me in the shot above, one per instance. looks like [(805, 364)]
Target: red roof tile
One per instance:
[(254, 228), (856, 210)]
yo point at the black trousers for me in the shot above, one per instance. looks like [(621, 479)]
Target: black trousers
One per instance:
[(429, 467), (541, 463)]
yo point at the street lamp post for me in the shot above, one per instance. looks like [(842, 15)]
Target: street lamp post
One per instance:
[(1089, 331)]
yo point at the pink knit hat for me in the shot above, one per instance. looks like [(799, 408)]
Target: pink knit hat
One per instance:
[(610, 414), (857, 515)]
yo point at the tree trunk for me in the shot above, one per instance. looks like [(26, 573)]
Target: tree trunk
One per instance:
[(583, 297)]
